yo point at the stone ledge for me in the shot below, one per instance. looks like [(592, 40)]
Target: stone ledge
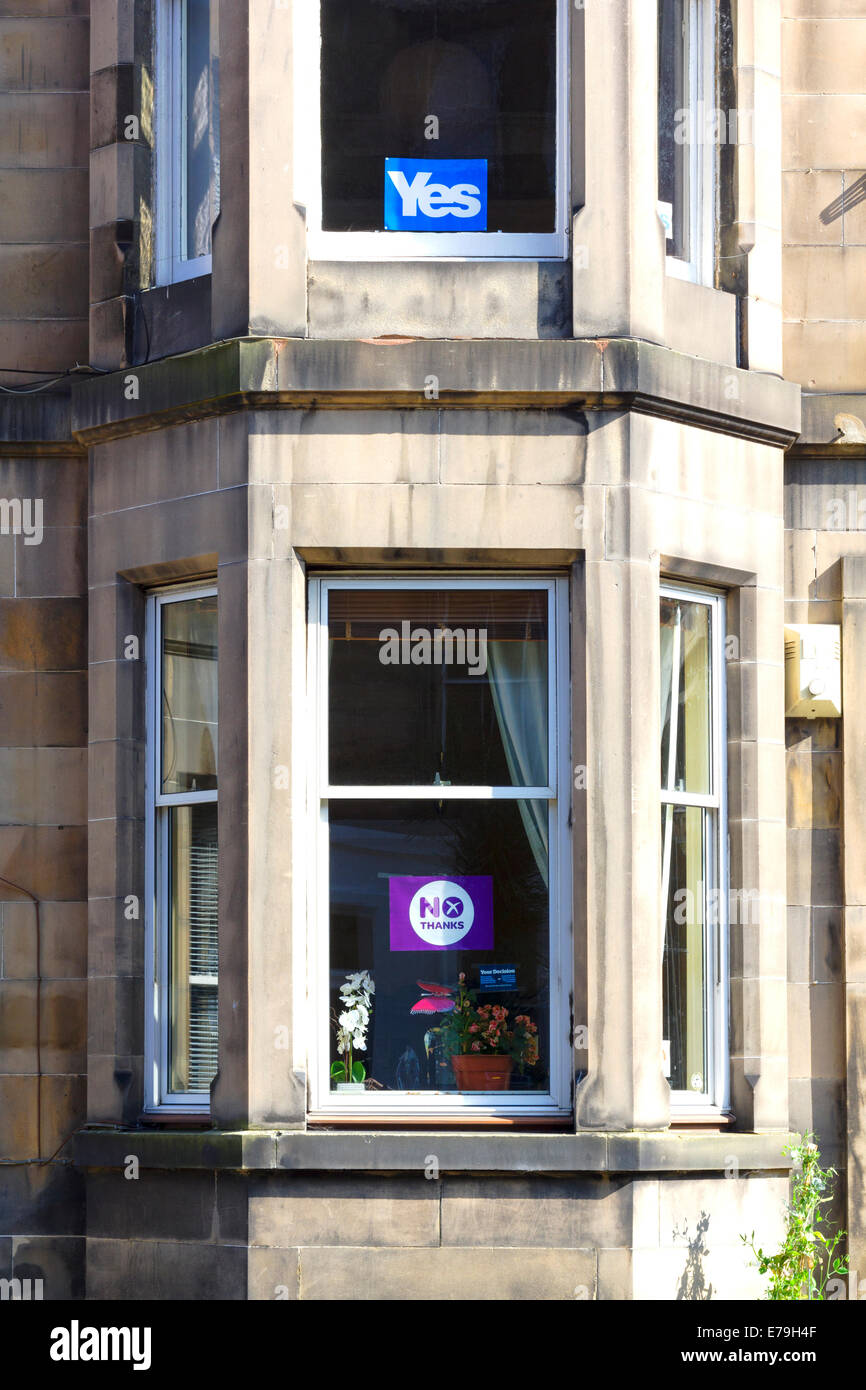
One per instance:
[(391, 1152), (580, 374)]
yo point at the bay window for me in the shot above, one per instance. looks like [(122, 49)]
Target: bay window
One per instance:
[(186, 120), (182, 857), (440, 778), (433, 129), (694, 837)]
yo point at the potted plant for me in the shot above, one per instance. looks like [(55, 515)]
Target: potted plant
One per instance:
[(484, 1045), (351, 1026)]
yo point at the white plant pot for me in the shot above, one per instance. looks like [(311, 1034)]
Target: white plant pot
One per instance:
[(353, 1087)]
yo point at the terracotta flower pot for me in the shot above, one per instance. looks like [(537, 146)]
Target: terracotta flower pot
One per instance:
[(477, 1072)]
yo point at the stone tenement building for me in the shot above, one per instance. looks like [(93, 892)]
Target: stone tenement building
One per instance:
[(432, 557)]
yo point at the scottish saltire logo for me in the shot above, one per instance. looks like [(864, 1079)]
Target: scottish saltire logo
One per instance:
[(436, 195)]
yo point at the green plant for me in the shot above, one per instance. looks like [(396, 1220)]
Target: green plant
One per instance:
[(484, 1028), (351, 1026), (808, 1256)]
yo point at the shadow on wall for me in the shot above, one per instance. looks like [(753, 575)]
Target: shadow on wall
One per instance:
[(693, 1286), (846, 202)]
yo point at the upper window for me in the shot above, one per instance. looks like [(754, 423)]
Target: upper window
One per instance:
[(694, 836), (688, 136), (441, 126), (181, 848), (187, 137), (443, 795)]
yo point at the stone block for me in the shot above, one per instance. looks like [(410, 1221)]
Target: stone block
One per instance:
[(48, 708), (115, 943), (43, 205), (149, 468), (154, 1206), (273, 1275), (445, 1274), (511, 447), (115, 780), (115, 1089), (854, 216), (45, 634), (535, 1212), (814, 867), (53, 55), (63, 1110), (826, 356), (806, 194), (44, 281), (64, 1026), (42, 1199), (57, 1260), (18, 1017), (822, 57), (44, 130), (18, 1113), (134, 1270), (394, 1212), (49, 861), (55, 569), (43, 786), (115, 1015), (116, 858), (64, 940)]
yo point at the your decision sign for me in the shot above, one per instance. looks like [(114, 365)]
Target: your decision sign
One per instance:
[(441, 914)]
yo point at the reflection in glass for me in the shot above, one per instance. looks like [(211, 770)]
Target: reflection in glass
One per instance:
[(684, 967), (686, 693), (445, 686), (189, 695), (373, 843), (201, 110), (486, 70), (193, 954)]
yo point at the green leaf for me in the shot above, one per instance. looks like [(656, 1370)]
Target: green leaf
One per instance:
[(359, 1072)]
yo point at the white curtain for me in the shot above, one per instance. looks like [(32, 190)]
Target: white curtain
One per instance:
[(518, 676)]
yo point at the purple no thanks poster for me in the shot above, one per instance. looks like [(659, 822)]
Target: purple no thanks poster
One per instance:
[(441, 914)]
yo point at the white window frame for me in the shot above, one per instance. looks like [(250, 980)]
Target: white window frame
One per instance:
[(157, 1097), (714, 1100), (702, 163), (171, 265), (412, 246), (559, 1099)]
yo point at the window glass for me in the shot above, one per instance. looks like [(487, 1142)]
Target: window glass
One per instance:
[(684, 965), (192, 834), (686, 677), (479, 76), (674, 98), (430, 686), (406, 877), (692, 770), (189, 695), (201, 112)]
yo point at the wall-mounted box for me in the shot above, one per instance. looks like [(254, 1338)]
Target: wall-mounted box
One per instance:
[(813, 671)]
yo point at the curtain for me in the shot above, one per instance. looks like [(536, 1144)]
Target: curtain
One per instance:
[(518, 676)]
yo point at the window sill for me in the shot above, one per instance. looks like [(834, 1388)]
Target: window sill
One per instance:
[(635, 1152)]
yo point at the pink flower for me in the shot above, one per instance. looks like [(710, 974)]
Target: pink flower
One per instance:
[(473, 1027), (476, 1047)]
